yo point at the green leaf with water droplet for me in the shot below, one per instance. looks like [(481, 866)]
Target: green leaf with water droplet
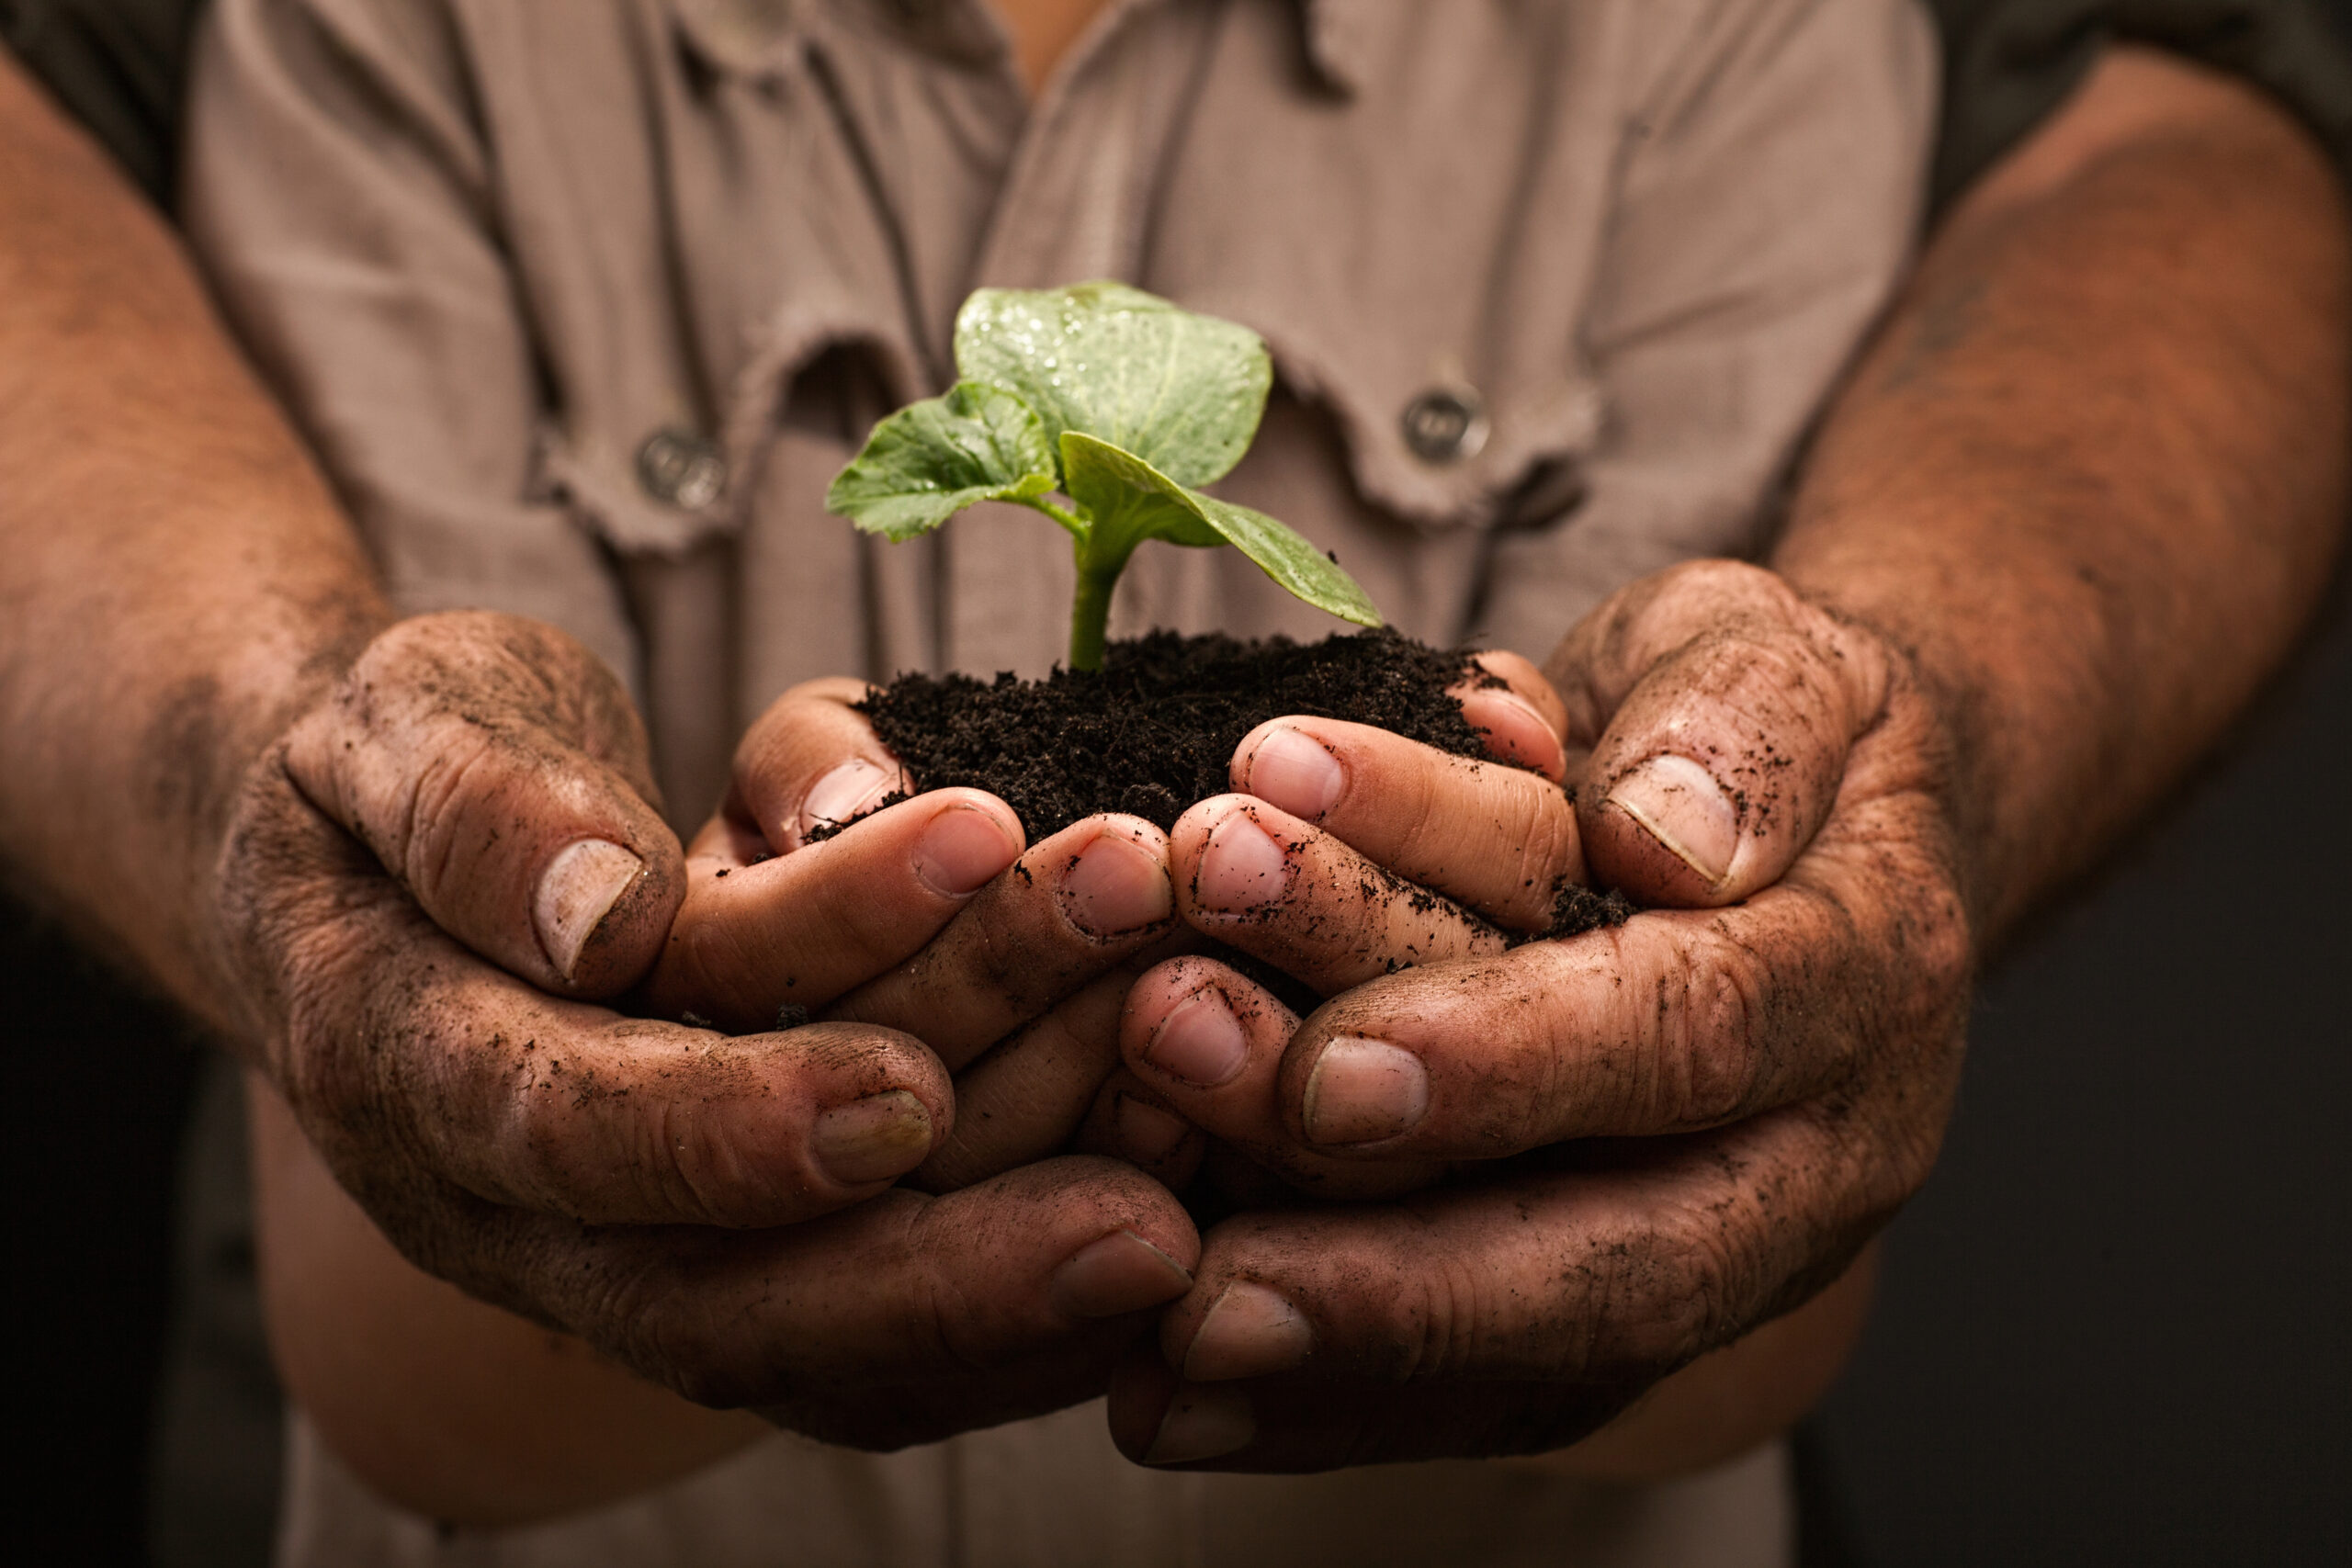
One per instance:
[(1121, 399), (929, 461), (1130, 501), (1180, 392)]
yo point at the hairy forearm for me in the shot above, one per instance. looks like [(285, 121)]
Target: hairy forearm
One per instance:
[(174, 579), (2092, 472)]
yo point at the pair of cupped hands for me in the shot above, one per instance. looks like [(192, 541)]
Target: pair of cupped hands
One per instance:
[(945, 1198)]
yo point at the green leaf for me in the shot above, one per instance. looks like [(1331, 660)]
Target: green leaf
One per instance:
[(1131, 502), (932, 459), (1183, 392)]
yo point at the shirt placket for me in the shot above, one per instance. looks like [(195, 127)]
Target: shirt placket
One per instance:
[(1076, 203)]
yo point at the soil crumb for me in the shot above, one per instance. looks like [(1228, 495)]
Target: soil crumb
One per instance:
[(1577, 910), (1152, 731)]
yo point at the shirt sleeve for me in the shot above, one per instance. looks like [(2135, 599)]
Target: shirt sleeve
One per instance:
[(2008, 63), (343, 199), (1763, 216)]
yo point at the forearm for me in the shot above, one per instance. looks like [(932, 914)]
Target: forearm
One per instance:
[(1729, 1401), (445, 1405), (2091, 473), (174, 579)]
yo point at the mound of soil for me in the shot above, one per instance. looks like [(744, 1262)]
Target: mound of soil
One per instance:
[(1153, 731)]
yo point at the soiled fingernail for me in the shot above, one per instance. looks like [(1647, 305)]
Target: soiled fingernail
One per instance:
[(577, 890), (1117, 886), (962, 849), (1515, 729), (1120, 1273), (1290, 769), (1364, 1090), (1679, 804), (1147, 1133), (853, 787), (1250, 1333), (1201, 1423), (1242, 868), (1200, 1041), (872, 1139)]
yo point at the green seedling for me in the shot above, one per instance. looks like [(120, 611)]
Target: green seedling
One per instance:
[(1112, 398)]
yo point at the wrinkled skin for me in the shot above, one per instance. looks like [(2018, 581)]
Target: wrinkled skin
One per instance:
[(1782, 1036), (661, 1191)]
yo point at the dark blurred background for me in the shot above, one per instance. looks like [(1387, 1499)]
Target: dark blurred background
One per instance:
[(2113, 1327)]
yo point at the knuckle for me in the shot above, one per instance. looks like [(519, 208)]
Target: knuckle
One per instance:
[(1468, 1326), (1705, 1042), (1702, 1308), (1545, 848), (655, 1323), (427, 848), (688, 1164)]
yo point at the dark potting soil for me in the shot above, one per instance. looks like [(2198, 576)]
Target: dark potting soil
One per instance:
[(1153, 731)]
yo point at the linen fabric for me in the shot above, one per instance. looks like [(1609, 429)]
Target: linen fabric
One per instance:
[(492, 253)]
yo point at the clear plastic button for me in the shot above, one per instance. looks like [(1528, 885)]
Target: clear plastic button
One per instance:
[(681, 468)]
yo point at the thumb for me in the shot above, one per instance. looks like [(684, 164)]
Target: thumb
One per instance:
[(495, 767), (1721, 707)]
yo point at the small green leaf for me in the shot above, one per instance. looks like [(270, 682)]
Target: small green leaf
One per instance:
[(932, 459), (1183, 392), (1130, 501)]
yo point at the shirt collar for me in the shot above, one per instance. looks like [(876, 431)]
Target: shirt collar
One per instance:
[(752, 38)]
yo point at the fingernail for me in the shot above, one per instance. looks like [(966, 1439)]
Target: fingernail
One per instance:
[(579, 887), (1250, 1333), (1291, 770), (1201, 1423), (1242, 869), (1201, 1043), (1147, 1133), (1120, 1273), (962, 849), (1364, 1090), (851, 788), (872, 1139), (1680, 805), (1117, 886), (1515, 729)]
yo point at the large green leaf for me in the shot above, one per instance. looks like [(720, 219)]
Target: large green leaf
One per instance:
[(1183, 392), (1130, 501), (932, 459)]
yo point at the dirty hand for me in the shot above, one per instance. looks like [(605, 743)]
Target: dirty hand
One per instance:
[(477, 789), (1673, 1129), (926, 916)]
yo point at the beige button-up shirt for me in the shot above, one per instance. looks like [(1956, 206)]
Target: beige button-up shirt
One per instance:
[(582, 302)]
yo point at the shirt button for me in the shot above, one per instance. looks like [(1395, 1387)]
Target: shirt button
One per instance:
[(681, 468), (1445, 424)]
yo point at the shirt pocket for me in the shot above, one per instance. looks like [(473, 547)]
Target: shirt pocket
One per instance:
[(1435, 438)]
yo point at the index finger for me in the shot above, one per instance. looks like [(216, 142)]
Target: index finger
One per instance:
[(1497, 838), (902, 1320), (1511, 1317), (1675, 1020)]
